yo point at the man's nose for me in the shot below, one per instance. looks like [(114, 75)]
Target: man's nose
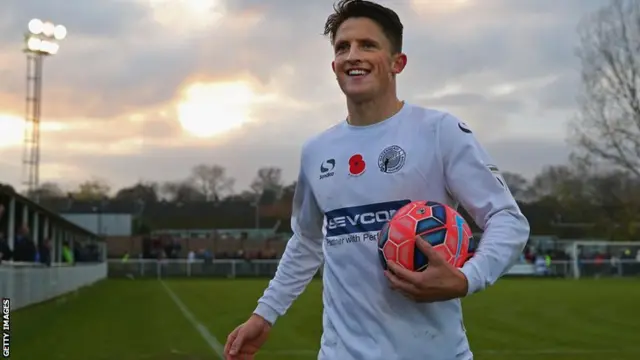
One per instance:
[(354, 54)]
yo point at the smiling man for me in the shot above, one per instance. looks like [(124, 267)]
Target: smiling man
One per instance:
[(353, 177)]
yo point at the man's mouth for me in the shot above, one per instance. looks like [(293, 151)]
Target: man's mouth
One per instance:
[(357, 72)]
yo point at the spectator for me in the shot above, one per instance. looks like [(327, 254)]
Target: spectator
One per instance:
[(67, 254), (177, 248), (541, 266), (45, 252), (5, 250), (78, 252), (24, 249), (207, 256), (172, 248), (268, 252)]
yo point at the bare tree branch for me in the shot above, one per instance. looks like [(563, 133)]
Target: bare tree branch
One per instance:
[(608, 125), (212, 181)]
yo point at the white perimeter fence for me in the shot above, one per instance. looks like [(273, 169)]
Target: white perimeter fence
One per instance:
[(30, 283)]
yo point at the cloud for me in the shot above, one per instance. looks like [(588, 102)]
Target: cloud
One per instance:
[(496, 64), (526, 156), (87, 18)]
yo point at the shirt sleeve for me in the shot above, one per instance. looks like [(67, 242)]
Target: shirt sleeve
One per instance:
[(302, 256), (473, 179)]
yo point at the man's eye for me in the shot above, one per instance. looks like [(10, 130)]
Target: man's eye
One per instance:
[(341, 48)]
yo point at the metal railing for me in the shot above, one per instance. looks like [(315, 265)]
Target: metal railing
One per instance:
[(227, 268), (30, 283), (232, 268)]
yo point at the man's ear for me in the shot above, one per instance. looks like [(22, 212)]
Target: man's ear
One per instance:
[(399, 63)]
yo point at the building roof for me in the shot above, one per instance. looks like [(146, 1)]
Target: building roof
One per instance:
[(53, 216)]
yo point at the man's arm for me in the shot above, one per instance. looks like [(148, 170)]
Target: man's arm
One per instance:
[(302, 256), (473, 179)]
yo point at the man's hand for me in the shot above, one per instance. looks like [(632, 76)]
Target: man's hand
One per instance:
[(245, 341), (439, 282)]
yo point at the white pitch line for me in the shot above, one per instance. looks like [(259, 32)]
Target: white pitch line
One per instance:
[(211, 340), (218, 349)]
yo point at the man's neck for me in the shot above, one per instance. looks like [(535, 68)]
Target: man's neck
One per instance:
[(373, 111)]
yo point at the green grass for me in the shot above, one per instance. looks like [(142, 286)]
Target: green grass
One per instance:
[(526, 319)]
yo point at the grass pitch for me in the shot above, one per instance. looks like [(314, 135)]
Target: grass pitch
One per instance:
[(531, 319)]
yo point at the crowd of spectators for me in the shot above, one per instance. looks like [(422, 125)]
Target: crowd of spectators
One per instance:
[(591, 260), (240, 247), (26, 250)]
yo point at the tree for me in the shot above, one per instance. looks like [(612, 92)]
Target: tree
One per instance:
[(182, 191), (559, 182), (581, 196), (267, 186), (244, 196), (560, 189), (267, 178), (518, 184), (615, 198), (212, 181), (289, 190), (94, 189), (47, 190), (143, 191), (607, 127), (7, 188)]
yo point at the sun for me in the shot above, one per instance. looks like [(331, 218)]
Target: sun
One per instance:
[(11, 130), (210, 109)]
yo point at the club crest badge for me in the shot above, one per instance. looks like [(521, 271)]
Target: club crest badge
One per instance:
[(392, 159)]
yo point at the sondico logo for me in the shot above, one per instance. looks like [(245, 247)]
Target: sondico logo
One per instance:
[(361, 219), (326, 168)]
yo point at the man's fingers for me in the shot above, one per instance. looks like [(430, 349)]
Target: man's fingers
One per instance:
[(404, 288), (399, 284), (404, 274), (236, 345), (428, 250), (227, 345), (230, 339)]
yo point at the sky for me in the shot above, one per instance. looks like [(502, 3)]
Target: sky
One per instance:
[(146, 89)]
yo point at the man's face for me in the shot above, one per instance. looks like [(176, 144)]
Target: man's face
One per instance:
[(364, 63)]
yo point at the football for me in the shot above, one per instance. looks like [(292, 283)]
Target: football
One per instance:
[(438, 224)]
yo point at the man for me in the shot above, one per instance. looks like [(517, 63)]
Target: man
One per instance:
[(385, 154), (44, 250), (24, 249), (5, 251)]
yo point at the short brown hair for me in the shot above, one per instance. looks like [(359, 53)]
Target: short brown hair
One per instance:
[(388, 20)]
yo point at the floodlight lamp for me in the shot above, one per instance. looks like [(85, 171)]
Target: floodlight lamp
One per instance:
[(50, 47), (47, 47), (48, 28), (33, 44), (60, 32), (35, 26)]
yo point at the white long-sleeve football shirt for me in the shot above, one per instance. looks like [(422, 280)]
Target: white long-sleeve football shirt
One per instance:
[(352, 179)]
